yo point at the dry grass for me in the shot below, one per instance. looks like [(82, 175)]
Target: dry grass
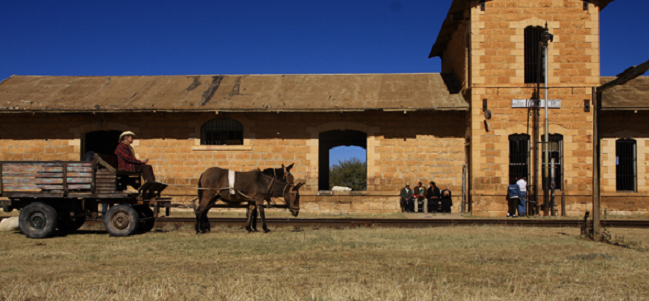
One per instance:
[(461, 263)]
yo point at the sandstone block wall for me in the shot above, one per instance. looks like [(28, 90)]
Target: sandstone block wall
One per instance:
[(496, 72), (401, 148)]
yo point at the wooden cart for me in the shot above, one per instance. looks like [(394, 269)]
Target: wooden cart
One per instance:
[(61, 195)]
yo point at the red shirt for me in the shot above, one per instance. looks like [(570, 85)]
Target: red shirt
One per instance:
[(125, 158)]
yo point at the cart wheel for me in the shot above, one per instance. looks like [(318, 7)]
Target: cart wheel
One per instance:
[(147, 222), (121, 220), (38, 220), (71, 224)]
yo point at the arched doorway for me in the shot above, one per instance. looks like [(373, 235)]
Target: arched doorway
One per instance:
[(329, 140), (101, 142)]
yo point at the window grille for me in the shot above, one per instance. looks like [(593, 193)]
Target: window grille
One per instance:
[(625, 165), (222, 132), (556, 153), (519, 154), (533, 55)]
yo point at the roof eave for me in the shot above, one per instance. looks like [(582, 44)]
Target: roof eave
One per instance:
[(116, 111)]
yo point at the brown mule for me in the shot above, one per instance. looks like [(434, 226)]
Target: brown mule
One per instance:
[(284, 173), (253, 187)]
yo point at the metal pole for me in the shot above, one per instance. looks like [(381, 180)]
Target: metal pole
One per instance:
[(536, 138), (547, 130), (463, 205), (553, 171), (563, 184), (563, 196)]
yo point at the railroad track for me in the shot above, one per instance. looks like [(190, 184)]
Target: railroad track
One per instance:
[(340, 223)]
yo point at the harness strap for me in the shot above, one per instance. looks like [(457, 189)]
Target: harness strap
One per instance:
[(231, 178)]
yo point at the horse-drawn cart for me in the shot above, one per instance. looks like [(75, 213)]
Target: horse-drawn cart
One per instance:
[(61, 195)]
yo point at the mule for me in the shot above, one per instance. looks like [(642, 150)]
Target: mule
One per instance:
[(283, 172), (252, 187)]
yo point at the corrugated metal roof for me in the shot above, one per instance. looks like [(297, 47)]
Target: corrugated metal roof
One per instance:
[(634, 95), (236, 93)]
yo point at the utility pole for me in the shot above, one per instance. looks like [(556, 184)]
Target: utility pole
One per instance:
[(546, 37)]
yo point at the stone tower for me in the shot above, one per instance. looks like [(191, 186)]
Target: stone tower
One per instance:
[(491, 50)]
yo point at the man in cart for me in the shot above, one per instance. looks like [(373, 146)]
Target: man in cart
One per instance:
[(126, 160)]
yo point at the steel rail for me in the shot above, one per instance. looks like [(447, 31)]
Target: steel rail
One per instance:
[(340, 223), (398, 223)]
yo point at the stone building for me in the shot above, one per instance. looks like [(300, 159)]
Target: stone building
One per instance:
[(625, 147), (415, 127), (411, 126), (491, 47)]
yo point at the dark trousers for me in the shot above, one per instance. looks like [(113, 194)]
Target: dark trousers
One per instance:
[(407, 205), (446, 205), (433, 205), (513, 205), (147, 172)]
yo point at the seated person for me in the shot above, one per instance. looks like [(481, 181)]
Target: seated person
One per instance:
[(126, 160), (447, 202), (420, 197), (433, 197), (406, 198)]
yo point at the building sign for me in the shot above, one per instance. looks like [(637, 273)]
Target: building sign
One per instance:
[(529, 103)]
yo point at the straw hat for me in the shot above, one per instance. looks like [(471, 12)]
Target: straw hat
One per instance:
[(127, 133)]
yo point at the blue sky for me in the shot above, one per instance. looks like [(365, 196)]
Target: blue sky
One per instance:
[(254, 37)]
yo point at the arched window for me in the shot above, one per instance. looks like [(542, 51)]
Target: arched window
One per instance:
[(222, 132), (625, 165), (534, 71), (519, 156)]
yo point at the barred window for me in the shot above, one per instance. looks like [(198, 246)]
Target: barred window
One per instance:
[(625, 165), (222, 132), (556, 153), (519, 156), (534, 71)]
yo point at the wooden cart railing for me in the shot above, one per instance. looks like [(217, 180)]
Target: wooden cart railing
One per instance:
[(52, 179)]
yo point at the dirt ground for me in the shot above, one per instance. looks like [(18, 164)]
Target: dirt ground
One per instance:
[(459, 263)]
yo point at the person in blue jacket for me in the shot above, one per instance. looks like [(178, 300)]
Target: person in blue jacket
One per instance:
[(513, 195)]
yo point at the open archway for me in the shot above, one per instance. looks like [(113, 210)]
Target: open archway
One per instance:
[(329, 140), (101, 142)]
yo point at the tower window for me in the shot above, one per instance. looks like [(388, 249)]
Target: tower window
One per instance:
[(534, 71)]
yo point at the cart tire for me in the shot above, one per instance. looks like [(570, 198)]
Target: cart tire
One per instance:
[(121, 220), (38, 220), (71, 224), (147, 222)]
